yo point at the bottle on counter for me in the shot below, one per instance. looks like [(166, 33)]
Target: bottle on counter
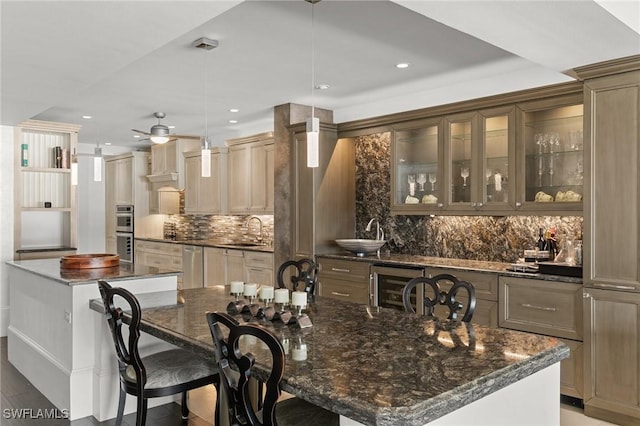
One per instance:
[(540, 244)]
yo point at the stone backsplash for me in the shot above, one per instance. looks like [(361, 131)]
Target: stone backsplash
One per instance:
[(488, 238), (222, 229)]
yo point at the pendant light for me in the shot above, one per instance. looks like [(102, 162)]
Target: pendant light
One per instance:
[(313, 123), (74, 168), (205, 154), (97, 161)]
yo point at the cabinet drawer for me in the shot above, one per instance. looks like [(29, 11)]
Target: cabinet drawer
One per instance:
[(344, 290), (171, 249), (546, 307), (485, 284), (344, 270), (258, 260)]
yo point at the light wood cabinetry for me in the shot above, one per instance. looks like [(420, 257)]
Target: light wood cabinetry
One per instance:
[(222, 265), (126, 184), (344, 280), (612, 235), (205, 195), (519, 153), (323, 198), (45, 199), (167, 163), (250, 175), (551, 308), (159, 254), (486, 287)]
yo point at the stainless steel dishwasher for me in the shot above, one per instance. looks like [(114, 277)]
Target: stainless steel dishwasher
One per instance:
[(192, 266)]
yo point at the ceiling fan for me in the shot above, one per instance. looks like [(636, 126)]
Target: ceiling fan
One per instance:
[(159, 133)]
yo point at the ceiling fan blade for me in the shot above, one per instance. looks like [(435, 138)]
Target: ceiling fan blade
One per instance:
[(185, 136), (141, 132)]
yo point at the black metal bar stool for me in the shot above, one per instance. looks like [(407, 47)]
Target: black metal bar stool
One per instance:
[(433, 296)]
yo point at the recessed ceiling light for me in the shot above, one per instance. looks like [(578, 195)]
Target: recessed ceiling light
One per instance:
[(87, 117), (233, 121), (322, 86), (402, 65), (234, 110), (136, 136), (171, 127), (108, 143)]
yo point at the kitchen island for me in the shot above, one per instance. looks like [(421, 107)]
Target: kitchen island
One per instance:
[(378, 366), (52, 339)]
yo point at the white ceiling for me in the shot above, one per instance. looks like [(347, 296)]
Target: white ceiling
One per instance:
[(120, 61)]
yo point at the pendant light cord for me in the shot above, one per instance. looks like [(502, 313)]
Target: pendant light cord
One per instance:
[(313, 65), (206, 127)]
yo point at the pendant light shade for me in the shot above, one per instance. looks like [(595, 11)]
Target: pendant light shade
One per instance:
[(205, 157), (97, 165), (74, 169), (313, 136)]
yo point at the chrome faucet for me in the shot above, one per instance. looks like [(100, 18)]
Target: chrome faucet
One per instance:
[(246, 224), (379, 230)]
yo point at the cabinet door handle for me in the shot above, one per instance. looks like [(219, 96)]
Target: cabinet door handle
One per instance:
[(619, 287), (440, 205), (335, 293), (341, 270), (540, 308), (518, 204)]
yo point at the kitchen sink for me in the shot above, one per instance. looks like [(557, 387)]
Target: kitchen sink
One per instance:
[(360, 246)]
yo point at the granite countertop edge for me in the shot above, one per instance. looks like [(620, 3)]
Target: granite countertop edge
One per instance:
[(451, 263), (210, 243)]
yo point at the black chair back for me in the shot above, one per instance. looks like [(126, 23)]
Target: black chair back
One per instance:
[(236, 370), (307, 275), (434, 296), (126, 349)]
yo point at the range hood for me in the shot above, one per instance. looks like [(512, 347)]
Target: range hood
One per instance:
[(165, 178)]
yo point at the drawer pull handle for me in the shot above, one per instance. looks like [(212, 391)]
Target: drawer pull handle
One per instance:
[(335, 293), (541, 308), (340, 270), (619, 287)]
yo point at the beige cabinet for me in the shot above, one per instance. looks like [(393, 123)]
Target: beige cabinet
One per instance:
[(344, 280), (611, 234), (167, 162), (323, 198), (44, 193), (552, 308), (259, 267), (205, 195), (612, 361), (486, 287), (250, 175), (158, 254), (214, 266), (235, 266), (222, 265)]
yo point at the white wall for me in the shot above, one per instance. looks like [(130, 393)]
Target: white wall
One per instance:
[(6, 220)]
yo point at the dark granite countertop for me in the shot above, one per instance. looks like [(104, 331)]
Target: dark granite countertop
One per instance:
[(374, 365), (463, 264), (212, 243), (50, 268)]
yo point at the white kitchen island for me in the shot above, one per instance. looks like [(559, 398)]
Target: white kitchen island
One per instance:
[(52, 338)]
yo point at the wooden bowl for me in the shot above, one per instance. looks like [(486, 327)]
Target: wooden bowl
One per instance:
[(89, 261)]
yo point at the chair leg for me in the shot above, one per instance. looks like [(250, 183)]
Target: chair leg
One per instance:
[(185, 407), (121, 401), (141, 414)]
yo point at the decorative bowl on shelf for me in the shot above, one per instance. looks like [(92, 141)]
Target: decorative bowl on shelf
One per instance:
[(360, 246)]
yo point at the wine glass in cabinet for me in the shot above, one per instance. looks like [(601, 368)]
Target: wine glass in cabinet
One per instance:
[(553, 160), (416, 167)]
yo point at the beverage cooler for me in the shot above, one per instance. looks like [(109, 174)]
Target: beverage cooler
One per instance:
[(388, 282)]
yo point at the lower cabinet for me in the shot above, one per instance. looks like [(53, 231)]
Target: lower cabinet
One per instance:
[(486, 287), (222, 266), (551, 308), (344, 280), (612, 355), (159, 254)]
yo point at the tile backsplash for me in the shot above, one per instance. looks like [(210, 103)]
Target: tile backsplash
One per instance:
[(489, 238), (222, 229)]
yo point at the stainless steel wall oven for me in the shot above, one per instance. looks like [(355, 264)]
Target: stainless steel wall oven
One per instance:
[(124, 232), (124, 218)]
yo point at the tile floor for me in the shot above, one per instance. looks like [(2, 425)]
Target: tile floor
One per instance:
[(17, 392)]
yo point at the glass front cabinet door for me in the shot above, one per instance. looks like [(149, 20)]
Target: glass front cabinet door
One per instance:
[(553, 160), (480, 156), (417, 175)]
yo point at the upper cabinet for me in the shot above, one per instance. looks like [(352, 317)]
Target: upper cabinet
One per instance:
[(552, 156), (250, 174), (514, 158), (205, 195), (45, 198), (167, 163)]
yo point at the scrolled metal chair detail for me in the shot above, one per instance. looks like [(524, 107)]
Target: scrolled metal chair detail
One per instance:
[(307, 275), (436, 296)]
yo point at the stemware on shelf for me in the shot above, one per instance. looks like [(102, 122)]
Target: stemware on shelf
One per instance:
[(422, 179), (464, 172), (412, 184), (432, 180)]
